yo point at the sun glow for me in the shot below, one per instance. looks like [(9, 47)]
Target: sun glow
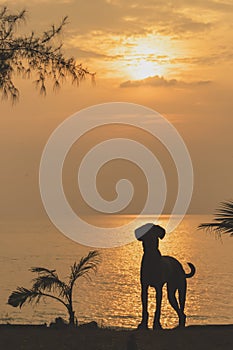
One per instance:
[(129, 57), (146, 57), (142, 68)]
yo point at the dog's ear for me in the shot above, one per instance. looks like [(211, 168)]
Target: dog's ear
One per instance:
[(160, 231)]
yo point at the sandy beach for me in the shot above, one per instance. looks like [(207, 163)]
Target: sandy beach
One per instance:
[(43, 338)]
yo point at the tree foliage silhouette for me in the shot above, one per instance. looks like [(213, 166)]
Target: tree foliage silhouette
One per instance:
[(223, 222), (48, 285), (22, 55)]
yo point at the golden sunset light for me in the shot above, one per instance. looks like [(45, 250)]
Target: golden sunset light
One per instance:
[(135, 57), (116, 161), (147, 56), (141, 68)]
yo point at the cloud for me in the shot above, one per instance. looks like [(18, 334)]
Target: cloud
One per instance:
[(224, 55), (89, 54), (214, 5), (133, 16), (107, 34), (122, 17), (157, 81)]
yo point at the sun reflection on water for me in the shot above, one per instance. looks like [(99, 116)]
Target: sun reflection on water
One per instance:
[(112, 298)]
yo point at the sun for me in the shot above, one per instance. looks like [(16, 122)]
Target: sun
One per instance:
[(146, 57), (142, 68)]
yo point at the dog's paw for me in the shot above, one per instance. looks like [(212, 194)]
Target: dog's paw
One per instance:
[(157, 327), (142, 326), (182, 321)]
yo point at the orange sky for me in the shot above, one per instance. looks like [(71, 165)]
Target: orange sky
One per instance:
[(172, 56)]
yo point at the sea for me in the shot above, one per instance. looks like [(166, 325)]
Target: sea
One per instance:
[(112, 296)]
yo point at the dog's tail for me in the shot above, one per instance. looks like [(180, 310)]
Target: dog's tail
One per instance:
[(192, 272)]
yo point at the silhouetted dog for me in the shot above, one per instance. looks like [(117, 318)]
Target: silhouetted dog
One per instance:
[(156, 270)]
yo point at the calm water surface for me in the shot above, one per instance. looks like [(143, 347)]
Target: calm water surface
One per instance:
[(112, 298)]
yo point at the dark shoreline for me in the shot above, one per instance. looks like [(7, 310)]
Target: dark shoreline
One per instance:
[(35, 337)]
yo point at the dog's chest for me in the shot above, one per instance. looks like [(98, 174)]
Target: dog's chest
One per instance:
[(151, 271)]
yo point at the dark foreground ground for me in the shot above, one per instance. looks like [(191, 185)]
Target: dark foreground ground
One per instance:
[(40, 338)]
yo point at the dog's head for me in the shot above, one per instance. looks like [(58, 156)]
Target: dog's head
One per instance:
[(149, 232)]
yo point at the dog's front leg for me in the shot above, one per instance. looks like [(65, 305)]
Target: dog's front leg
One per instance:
[(144, 299), (156, 324)]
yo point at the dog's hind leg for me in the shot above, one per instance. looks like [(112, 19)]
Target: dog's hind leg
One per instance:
[(144, 298), (156, 324), (173, 301), (182, 297)]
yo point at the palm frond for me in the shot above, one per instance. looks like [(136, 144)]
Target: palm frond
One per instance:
[(48, 280), (42, 270), (50, 283), (22, 295), (223, 221), (225, 212), (84, 266)]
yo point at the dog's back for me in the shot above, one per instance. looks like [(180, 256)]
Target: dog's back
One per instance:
[(172, 269), (160, 269)]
